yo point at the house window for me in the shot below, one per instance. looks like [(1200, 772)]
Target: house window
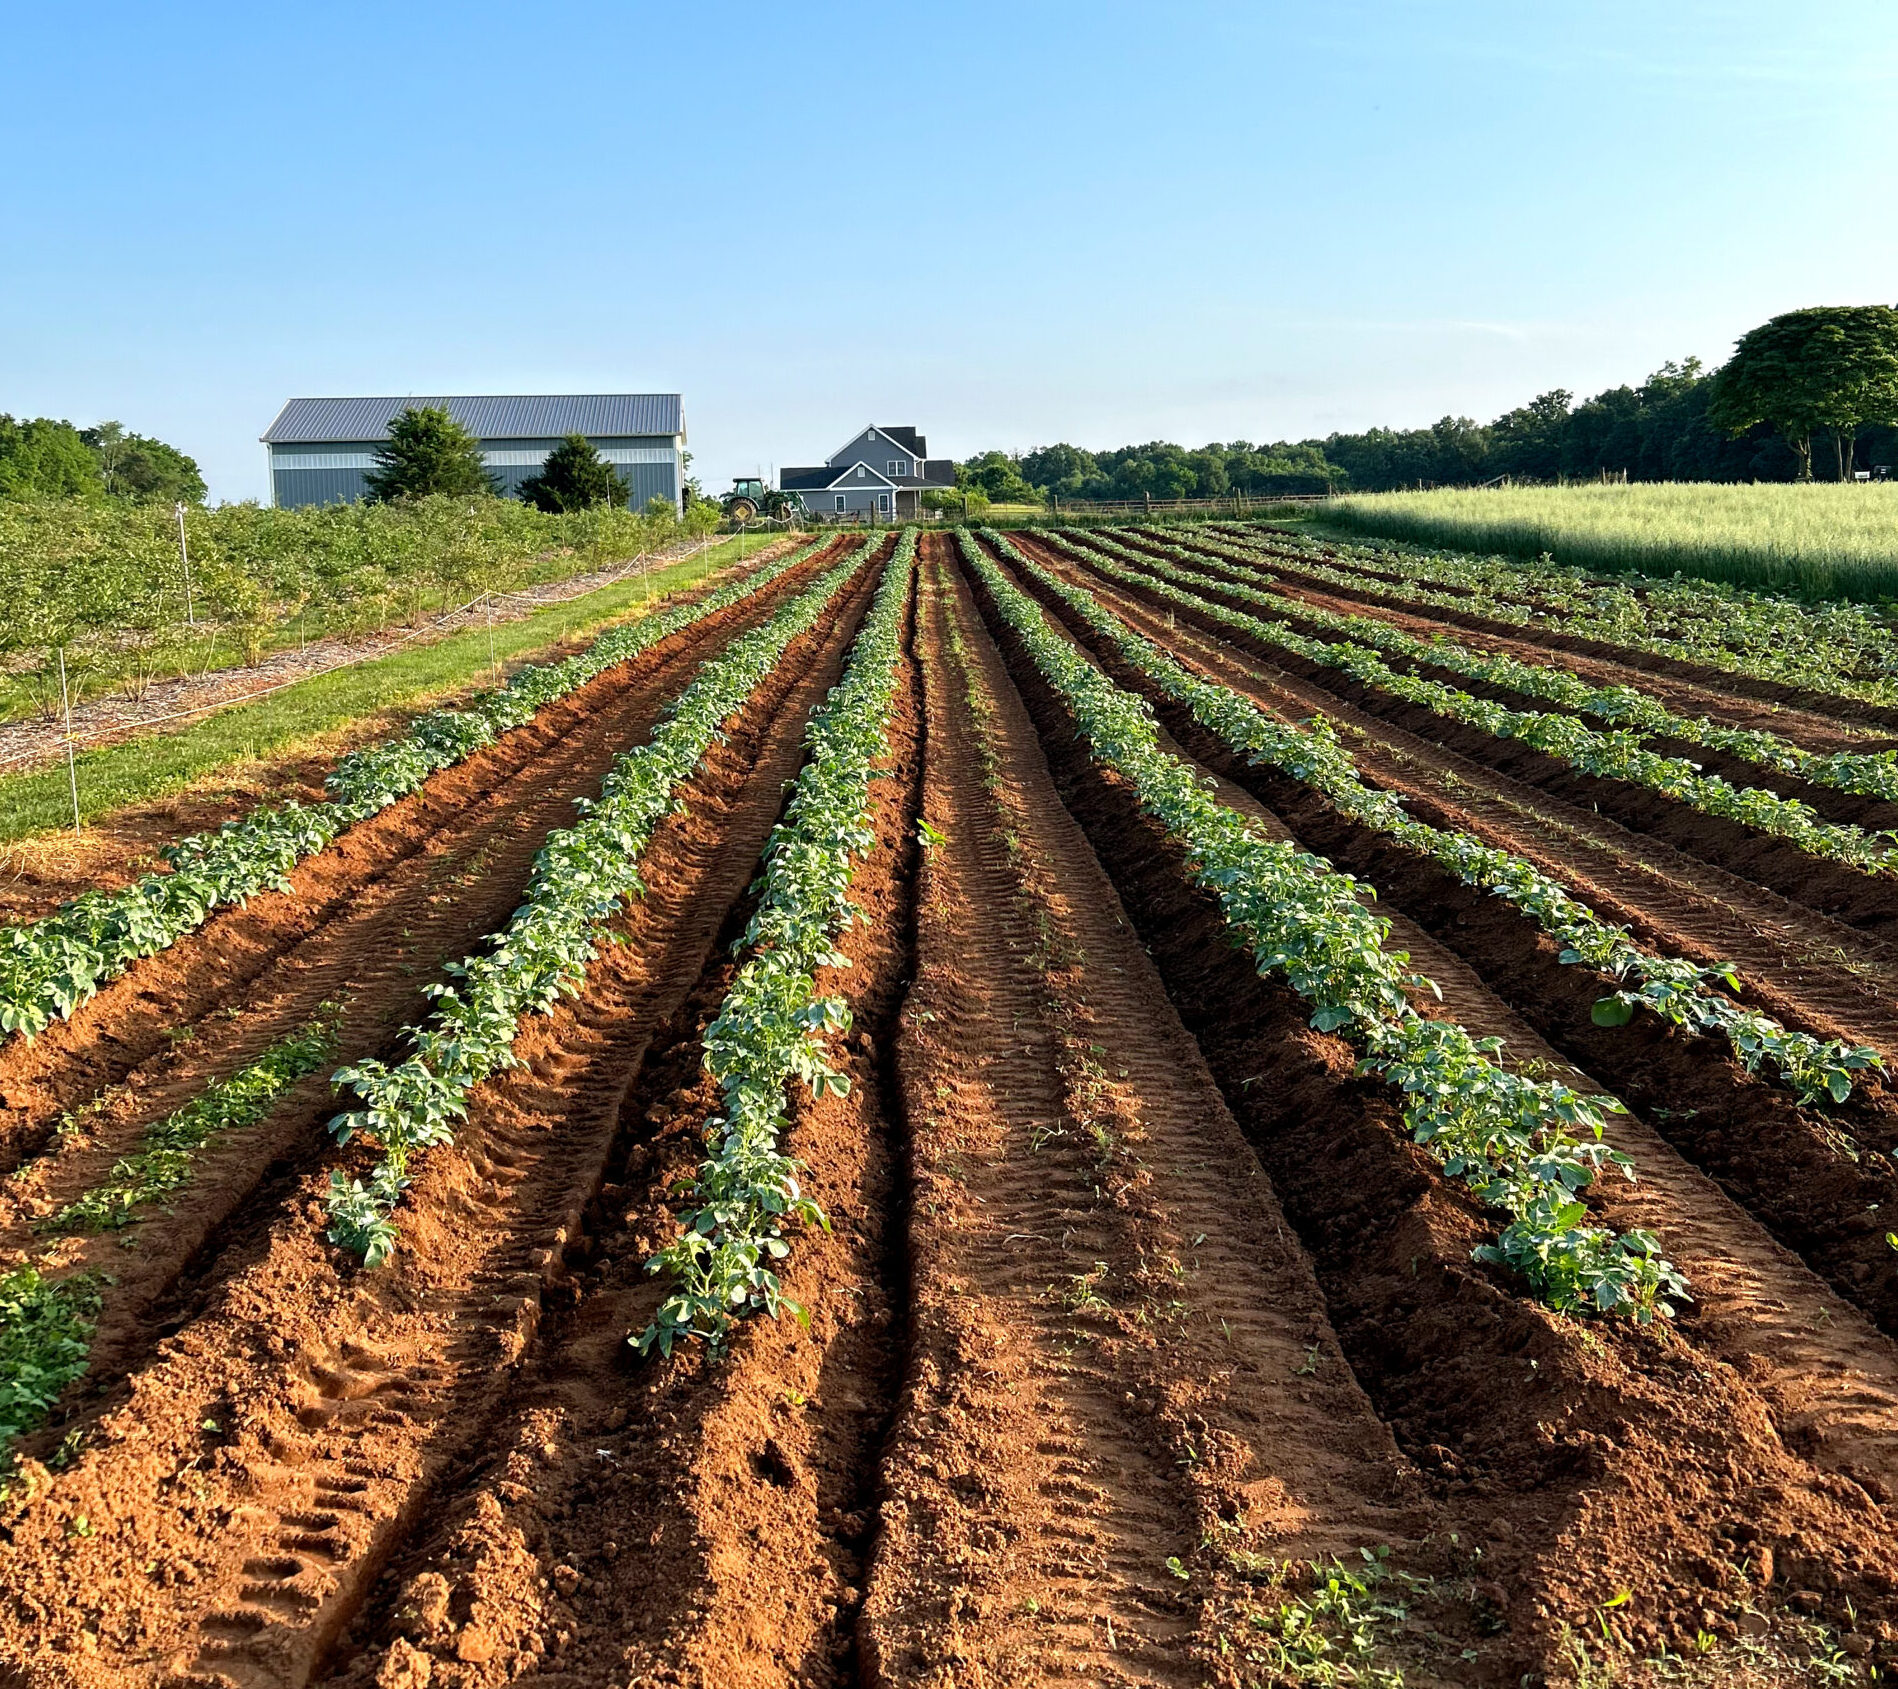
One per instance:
[(842, 500), (883, 502), (896, 466)]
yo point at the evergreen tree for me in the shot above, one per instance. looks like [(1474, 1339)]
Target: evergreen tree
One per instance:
[(427, 451), (575, 477)]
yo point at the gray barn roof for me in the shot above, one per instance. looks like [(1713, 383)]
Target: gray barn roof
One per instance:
[(487, 416)]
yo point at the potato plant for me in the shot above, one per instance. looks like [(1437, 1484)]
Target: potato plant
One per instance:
[(1871, 774), (1851, 649), (583, 876), (1670, 987), (48, 968), (1616, 755), (1526, 1146), (770, 1030)]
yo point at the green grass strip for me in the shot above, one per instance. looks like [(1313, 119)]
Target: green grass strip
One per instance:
[(170, 1147), (114, 776), (46, 1328)]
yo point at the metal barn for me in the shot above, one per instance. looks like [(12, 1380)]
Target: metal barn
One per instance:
[(320, 448)]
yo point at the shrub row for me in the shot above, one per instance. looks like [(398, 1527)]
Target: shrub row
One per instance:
[(48, 968)]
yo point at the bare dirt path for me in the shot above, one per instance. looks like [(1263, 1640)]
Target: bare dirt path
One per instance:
[(243, 1490), (1123, 1380), (1597, 1450)]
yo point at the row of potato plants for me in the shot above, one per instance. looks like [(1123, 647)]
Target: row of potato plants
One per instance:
[(1872, 774), (1672, 988), (581, 878), (48, 1317), (769, 1035), (1844, 648), (50, 967), (1615, 755), (1525, 1146)]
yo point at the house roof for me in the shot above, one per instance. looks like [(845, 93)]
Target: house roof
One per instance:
[(937, 472), (487, 416), (904, 439), (907, 438)]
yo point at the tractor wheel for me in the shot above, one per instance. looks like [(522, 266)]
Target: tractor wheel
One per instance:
[(742, 510)]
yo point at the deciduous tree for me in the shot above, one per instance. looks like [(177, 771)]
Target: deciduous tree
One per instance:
[(1832, 368)]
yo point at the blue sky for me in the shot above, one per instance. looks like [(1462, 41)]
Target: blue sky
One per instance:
[(1005, 224)]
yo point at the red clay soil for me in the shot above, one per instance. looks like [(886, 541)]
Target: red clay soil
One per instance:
[(38, 874), (1122, 1382), (1612, 1457), (245, 1485), (373, 916), (1810, 971), (1850, 713), (686, 1520), (1796, 1169)]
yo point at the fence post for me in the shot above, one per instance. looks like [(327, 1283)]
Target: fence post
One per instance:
[(184, 551), (65, 704)]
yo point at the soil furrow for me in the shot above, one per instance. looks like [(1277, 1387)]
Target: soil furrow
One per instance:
[(380, 907), (1849, 715), (1862, 899), (1123, 1381), (1586, 1454), (258, 1473), (1809, 728), (636, 1517), (1812, 971), (1799, 1173)]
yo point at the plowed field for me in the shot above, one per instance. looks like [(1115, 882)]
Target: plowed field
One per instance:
[(1142, 1342)]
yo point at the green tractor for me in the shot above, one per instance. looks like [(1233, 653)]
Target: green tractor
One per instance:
[(750, 498)]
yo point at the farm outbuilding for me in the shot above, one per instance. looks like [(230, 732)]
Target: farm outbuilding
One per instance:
[(320, 449)]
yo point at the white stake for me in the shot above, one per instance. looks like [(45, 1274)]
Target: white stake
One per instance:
[(184, 551), (492, 664), (72, 773)]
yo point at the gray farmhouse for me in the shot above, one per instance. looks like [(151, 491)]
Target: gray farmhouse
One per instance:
[(882, 472), (320, 448)]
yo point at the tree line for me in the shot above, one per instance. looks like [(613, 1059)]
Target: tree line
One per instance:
[(42, 458), (1828, 374)]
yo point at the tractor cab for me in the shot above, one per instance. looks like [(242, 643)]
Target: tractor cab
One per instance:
[(751, 498)]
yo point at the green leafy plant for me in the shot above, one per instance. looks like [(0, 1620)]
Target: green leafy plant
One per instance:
[(1616, 755), (582, 877), (1675, 990), (770, 1033), (1522, 1145)]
